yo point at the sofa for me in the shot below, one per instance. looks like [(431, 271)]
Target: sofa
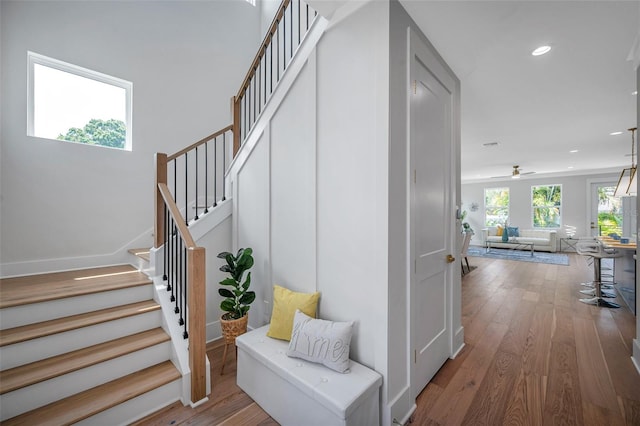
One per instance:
[(542, 239)]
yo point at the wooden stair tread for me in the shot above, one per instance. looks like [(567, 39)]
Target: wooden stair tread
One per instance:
[(46, 328), (90, 402), (45, 287), (35, 372), (142, 253)]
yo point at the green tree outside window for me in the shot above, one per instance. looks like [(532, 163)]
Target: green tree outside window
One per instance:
[(111, 133), (546, 201), (496, 206)]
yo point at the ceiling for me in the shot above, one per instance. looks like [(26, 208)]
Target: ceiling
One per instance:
[(539, 108)]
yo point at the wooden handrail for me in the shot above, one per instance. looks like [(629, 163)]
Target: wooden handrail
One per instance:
[(263, 47), (177, 217), (196, 299), (200, 142)]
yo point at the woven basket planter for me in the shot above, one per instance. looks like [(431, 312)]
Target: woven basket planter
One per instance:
[(233, 328)]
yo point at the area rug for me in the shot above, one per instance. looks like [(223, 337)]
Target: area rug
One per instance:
[(521, 255)]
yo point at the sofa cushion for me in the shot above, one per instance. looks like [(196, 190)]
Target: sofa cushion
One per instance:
[(513, 231)]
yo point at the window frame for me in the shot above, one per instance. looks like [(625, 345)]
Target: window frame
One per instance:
[(484, 201), (38, 59), (559, 207)]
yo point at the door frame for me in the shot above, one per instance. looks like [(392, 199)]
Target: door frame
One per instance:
[(590, 200), (417, 46)]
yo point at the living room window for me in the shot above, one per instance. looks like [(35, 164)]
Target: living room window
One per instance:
[(74, 104), (546, 201), (496, 206)]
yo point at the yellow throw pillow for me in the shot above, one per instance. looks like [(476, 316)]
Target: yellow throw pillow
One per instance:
[(285, 303), (499, 230)]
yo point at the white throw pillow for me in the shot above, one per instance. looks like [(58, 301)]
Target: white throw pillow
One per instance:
[(321, 341)]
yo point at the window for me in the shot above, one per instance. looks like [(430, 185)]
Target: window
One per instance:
[(74, 104), (496, 206), (546, 202)]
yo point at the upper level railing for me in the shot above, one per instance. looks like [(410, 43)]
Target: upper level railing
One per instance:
[(191, 182), (288, 29)]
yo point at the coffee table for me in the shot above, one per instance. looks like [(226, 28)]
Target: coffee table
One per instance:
[(517, 245)]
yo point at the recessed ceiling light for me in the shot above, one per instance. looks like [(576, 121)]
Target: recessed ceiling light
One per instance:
[(541, 50), (615, 133), (570, 167), (634, 93), (573, 151)]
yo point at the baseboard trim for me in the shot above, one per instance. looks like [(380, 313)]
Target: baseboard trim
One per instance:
[(46, 266), (635, 358)]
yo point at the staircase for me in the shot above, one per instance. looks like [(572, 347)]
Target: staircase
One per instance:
[(84, 345)]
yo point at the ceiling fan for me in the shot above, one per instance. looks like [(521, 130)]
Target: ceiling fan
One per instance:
[(515, 174)]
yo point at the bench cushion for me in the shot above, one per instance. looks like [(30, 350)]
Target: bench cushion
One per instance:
[(339, 393)]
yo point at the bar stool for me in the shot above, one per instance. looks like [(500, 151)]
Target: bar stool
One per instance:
[(595, 251)]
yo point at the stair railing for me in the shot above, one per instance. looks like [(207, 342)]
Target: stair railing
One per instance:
[(184, 273), (193, 178), (288, 29)]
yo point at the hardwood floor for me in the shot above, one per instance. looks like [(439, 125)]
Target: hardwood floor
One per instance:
[(534, 355)]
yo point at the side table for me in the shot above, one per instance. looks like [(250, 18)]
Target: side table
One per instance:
[(570, 242)]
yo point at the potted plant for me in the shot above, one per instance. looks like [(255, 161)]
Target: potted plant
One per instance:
[(237, 296)]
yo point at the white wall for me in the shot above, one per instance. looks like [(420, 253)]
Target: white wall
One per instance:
[(575, 205), (70, 205), (322, 195)]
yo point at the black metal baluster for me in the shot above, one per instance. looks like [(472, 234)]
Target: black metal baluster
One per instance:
[(284, 40), (224, 164), (265, 75), (243, 131), (215, 171), (172, 264), (260, 87), (253, 80), (175, 179), (206, 175), (291, 32), (299, 24), (196, 205), (271, 63), (176, 308), (166, 247), (183, 312), (186, 188), (278, 53), (307, 17)]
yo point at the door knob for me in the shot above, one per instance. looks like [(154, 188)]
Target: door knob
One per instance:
[(450, 259)]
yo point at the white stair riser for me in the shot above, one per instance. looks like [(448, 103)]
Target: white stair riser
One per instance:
[(136, 408), (39, 394), (37, 312), (56, 344)]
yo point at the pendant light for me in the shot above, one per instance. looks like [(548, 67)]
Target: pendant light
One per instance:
[(627, 183)]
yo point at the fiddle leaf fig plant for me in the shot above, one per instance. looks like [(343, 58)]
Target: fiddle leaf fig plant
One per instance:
[(235, 291)]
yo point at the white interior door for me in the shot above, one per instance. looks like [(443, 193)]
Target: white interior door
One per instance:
[(430, 130)]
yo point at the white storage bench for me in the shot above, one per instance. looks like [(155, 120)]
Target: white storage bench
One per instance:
[(297, 392)]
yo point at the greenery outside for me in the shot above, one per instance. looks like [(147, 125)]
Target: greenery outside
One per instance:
[(546, 201), (496, 206), (609, 211), (111, 133)]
